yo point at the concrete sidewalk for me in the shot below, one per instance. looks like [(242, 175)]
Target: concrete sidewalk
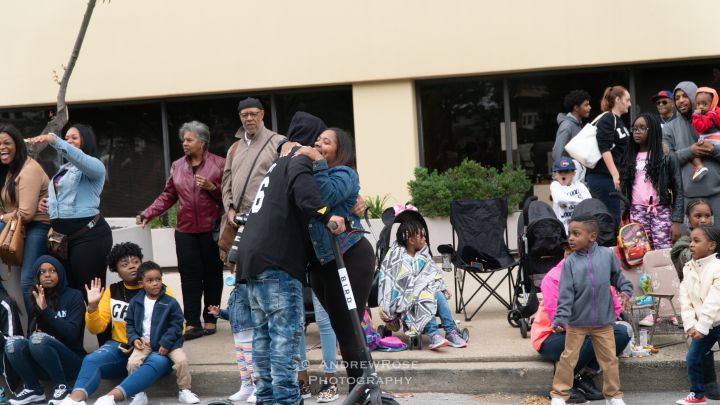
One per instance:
[(497, 359)]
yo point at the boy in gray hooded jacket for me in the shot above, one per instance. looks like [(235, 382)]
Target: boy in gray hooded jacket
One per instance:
[(585, 307)]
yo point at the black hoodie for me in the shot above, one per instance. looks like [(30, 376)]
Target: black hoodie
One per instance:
[(305, 128), (65, 322)]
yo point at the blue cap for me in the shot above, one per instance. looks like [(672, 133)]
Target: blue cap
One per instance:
[(564, 164)]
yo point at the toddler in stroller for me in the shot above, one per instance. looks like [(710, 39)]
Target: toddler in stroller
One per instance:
[(412, 291)]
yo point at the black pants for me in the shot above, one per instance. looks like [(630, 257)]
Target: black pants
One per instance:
[(87, 256), (200, 273), (360, 264)]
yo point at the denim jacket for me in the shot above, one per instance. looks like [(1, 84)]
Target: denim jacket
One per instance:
[(80, 187), (339, 187)]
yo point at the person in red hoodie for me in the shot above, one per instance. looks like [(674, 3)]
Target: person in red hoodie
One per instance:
[(706, 121)]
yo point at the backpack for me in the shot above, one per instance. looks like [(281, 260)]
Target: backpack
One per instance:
[(633, 242)]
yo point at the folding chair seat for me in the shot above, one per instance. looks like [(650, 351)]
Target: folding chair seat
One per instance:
[(481, 252)]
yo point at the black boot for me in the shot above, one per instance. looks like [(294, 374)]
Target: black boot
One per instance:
[(709, 377), (576, 397), (586, 386)]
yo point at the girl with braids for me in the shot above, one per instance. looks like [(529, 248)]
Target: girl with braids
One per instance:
[(651, 181), (54, 349), (700, 305), (412, 290)]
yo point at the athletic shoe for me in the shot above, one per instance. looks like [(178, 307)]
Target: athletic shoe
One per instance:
[(699, 173), (59, 393), (692, 399), (647, 321), (70, 401), (673, 320), (139, 399), (188, 397), (455, 339), (252, 399), (328, 393), (586, 386), (557, 401), (304, 390), (614, 401), (437, 341), (105, 400), (244, 393), (27, 396)]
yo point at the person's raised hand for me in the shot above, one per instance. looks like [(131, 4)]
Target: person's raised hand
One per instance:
[(94, 294), (39, 295), (40, 139), (310, 152), (214, 310)]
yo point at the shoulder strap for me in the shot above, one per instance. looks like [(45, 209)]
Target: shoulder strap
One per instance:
[(247, 179), (594, 122)]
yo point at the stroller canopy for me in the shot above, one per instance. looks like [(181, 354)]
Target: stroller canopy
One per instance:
[(592, 206)]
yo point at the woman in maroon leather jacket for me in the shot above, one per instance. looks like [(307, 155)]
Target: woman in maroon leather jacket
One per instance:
[(195, 180)]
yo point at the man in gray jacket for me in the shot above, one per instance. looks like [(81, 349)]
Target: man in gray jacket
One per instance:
[(680, 138), (577, 104)]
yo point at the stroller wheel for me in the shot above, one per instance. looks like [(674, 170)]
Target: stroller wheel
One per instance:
[(465, 334), (524, 326), (513, 318)]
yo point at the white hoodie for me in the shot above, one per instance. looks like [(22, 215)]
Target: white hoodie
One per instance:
[(700, 294), (565, 198)]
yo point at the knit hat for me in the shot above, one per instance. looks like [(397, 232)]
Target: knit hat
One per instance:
[(250, 103)]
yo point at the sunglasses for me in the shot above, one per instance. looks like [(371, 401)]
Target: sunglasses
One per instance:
[(662, 102)]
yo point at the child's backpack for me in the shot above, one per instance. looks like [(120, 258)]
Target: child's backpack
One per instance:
[(633, 243)]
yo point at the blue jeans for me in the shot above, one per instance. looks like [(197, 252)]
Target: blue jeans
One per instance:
[(554, 345), (154, 368), (35, 246), (327, 340), (600, 187), (443, 310), (238, 311), (105, 362), (42, 356), (276, 299), (698, 349)]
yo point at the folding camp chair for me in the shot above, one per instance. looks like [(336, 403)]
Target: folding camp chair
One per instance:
[(481, 251)]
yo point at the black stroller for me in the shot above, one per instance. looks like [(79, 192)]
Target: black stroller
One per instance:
[(541, 240), (608, 231), (381, 248)]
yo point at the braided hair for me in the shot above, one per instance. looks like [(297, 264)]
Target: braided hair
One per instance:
[(656, 159), (408, 229), (712, 234), (696, 202)]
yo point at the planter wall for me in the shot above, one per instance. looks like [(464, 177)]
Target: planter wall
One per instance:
[(163, 242)]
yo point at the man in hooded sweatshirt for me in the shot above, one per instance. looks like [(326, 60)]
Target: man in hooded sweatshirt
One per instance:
[(680, 138), (577, 103)]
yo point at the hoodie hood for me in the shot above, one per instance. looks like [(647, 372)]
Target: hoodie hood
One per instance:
[(714, 96), (567, 117), (59, 269), (690, 89), (305, 128)]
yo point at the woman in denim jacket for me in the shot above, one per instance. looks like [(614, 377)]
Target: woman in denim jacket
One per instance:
[(334, 155), (73, 204)]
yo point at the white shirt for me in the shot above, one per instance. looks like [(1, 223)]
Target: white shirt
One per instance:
[(147, 317), (565, 198)]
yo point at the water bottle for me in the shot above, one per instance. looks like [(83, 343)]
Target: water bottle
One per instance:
[(446, 262), (643, 337)]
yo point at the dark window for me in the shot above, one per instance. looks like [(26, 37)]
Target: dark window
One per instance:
[(461, 119), (334, 106)]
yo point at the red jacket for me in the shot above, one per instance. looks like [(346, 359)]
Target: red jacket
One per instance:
[(198, 209)]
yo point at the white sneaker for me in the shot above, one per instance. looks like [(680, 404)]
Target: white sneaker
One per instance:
[(105, 400), (647, 321), (139, 399), (188, 397), (557, 401), (69, 401), (251, 399), (244, 393), (614, 401)]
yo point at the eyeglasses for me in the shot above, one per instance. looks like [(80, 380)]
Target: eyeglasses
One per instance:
[(639, 130), (47, 271), (249, 115), (662, 102)]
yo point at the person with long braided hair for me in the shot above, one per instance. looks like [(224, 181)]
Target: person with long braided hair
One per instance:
[(651, 181)]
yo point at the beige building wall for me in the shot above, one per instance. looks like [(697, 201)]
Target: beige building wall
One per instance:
[(141, 49), (386, 137)]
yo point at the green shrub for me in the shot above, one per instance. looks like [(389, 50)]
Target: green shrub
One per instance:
[(432, 192), (166, 220), (376, 205)]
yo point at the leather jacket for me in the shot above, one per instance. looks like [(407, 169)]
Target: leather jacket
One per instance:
[(198, 209)]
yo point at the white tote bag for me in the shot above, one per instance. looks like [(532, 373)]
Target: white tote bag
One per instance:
[(583, 147)]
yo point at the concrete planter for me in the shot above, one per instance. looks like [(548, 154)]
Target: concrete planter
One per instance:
[(163, 242)]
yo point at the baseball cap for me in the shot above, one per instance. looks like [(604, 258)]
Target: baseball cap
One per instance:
[(564, 164), (662, 94)]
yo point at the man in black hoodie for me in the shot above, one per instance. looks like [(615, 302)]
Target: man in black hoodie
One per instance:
[(680, 138), (274, 252)]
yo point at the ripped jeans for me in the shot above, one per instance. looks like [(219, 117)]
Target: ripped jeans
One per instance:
[(276, 299), (42, 356)]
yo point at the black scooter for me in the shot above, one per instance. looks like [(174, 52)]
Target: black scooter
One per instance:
[(367, 388)]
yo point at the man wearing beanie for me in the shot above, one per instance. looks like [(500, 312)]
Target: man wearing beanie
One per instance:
[(248, 161)]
